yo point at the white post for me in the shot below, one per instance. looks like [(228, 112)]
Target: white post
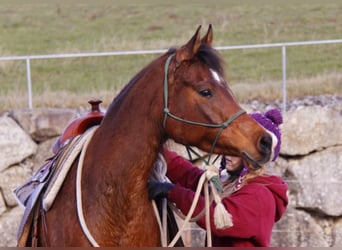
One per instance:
[(29, 85), (283, 56)]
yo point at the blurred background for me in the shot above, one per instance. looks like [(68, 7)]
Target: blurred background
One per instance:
[(56, 27), (310, 160)]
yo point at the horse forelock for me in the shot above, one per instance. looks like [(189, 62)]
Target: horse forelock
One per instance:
[(210, 57)]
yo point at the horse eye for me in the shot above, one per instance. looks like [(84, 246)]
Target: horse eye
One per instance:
[(206, 93)]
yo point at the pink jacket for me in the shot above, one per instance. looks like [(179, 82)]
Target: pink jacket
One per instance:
[(254, 208)]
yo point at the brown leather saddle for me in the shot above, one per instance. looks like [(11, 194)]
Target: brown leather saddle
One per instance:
[(80, 125), (29, 195)]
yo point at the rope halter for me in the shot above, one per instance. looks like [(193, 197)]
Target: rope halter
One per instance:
[(167, 112)]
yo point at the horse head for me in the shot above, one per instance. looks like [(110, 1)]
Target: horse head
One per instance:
[(197, 97)]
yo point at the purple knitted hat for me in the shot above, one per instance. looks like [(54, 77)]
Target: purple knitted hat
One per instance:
[(271, 121)]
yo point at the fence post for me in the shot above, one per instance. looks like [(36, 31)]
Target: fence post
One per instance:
[(29, 83), (283, 56), (283, 46)]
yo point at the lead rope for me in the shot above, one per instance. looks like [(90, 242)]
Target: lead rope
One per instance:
[(79, 188), (222, 218), (162, 225), (191, 210)]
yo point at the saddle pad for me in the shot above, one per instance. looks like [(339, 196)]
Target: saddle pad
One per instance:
[(51, 175), (63, 168), (25, 191)]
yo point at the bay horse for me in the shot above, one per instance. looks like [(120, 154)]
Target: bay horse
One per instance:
[(179, 95)]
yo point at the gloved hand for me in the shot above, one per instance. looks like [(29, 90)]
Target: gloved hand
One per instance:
[(157, 190)]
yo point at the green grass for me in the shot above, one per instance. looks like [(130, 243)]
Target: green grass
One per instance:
[(47, 27)]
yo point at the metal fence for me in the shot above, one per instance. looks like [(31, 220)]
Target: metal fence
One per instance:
[(283, 46)]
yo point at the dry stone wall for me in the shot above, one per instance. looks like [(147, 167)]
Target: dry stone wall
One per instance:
[(310, 162)]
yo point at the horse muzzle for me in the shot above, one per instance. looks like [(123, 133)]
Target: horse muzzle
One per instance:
[(265, 146)]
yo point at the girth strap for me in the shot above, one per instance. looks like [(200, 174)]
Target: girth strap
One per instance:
[(30, 219)]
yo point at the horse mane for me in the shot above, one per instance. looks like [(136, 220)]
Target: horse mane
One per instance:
[(119, 98), (210, 56)]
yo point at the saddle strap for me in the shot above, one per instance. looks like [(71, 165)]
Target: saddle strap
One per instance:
[(29, 219), (33, 204), (35, 233)]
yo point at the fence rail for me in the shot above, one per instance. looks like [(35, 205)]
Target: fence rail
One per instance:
[(283, 46)]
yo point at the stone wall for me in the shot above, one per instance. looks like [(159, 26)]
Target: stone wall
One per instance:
[(310, 162)]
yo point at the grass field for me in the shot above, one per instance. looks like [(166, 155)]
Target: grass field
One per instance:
[(53, 27)]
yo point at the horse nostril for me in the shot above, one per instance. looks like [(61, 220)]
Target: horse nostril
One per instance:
[(265, 145)]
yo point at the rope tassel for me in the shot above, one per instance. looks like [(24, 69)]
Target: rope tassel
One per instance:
[(222, 218)]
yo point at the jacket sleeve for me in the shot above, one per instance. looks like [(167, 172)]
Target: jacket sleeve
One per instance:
[(182, 171), (252, 211)]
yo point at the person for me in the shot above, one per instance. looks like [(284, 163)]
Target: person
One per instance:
[(254, 198)]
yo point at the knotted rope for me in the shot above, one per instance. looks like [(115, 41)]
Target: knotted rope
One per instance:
[(222, 218)]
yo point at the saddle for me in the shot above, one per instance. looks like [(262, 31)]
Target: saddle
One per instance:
[(80, 125), (30, 194)]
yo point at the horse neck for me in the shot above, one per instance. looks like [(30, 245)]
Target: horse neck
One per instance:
[(135, 117), (127, 143)]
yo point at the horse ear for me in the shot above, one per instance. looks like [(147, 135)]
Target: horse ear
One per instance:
[(208, 38), (189, 50)]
